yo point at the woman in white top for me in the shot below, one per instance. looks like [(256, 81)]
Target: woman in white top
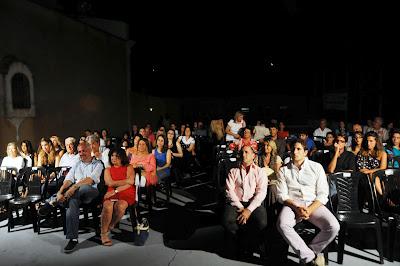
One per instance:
[(188, 147), (13, 159), (233, 127)]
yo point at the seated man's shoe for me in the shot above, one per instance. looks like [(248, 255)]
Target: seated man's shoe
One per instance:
[(71, 246), (46, 209), (319, 260)]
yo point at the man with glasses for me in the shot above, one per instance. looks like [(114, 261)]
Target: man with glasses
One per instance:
[(340, 159)]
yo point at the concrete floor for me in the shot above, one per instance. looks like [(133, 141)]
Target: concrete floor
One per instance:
[(23, 247)]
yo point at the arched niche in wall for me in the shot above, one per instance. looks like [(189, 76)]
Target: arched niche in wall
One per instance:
[(19, 92)]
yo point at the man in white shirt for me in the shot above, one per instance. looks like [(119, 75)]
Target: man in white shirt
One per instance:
[(70, 157), (303, 189), (260, 132), (94, 142), (79, 186), (322, 130)]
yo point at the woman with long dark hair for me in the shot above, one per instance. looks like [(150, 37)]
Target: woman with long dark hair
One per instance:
[(27, 152), (372, 158)]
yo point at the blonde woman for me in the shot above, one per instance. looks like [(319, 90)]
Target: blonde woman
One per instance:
[(59, 147), (46, 155), (217, 131), (269, 158), (13, 159)]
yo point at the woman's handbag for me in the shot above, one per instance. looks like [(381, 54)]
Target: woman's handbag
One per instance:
[(141, 232)]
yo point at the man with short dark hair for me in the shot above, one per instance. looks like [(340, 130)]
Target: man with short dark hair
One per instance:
[(246, 188), (280, 143), (303, 189)]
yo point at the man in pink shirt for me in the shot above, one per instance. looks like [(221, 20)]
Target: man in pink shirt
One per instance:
[(246, 188)]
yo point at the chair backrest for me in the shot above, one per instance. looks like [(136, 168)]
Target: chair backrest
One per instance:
[(390, 184), (6, 180), (32, 180), (347, 192)]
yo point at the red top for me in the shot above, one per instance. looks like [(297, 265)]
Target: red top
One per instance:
[(283, 134), (120, 173)]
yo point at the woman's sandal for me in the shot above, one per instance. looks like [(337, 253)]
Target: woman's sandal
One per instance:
[(105, 240)]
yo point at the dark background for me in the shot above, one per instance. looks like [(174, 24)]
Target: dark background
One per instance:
[(279, 47)]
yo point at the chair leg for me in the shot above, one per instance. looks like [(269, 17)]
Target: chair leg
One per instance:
[(133, 216), (379, 242), (34, 216), (326, 255), (10, 219), (96, 220), (63, 219), (391, 237), (86, 216), (148, 197), (341, 242)]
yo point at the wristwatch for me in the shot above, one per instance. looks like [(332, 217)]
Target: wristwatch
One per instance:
[(116, 191)]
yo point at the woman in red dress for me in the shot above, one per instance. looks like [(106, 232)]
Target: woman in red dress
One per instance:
[(121, 193)]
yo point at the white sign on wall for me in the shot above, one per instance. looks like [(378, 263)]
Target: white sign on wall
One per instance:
[(335, 101)]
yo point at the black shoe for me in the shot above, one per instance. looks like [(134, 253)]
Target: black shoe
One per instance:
[(71, 246), (46, 209)]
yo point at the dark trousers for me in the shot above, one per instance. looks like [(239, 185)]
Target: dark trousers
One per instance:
[(251, 233), (85, 194)]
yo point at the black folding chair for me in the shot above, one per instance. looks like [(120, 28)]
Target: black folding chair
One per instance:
[(28, 197), (349, 215), (57, 176), (387, 207), (6, 185)]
